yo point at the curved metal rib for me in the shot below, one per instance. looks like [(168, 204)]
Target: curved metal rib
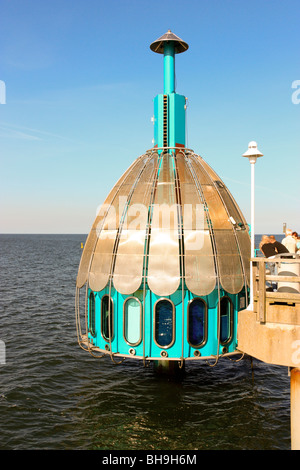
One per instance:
[(163, 264), (90, 244), (229, 262)]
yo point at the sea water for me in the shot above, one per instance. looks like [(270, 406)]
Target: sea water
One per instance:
[(53, 395)]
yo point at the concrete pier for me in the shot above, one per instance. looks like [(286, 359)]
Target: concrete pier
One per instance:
[(271, 331)]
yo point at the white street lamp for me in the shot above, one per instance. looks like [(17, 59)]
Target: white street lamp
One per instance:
[(252, 154)]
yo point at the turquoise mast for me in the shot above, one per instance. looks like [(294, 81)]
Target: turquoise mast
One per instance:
[(169, 107)]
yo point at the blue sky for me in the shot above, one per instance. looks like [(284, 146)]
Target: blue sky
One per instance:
[(80, 80)]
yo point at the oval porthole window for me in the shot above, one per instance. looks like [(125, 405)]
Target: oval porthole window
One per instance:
[(132, 321), (107, 317), (226, 319), (164, 330), (92, 314), (197, 322)]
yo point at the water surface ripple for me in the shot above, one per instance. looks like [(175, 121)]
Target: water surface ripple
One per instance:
[(53, 395)]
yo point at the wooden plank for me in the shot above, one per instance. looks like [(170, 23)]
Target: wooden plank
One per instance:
[(276, 260), (283, 278), (263, 298), (255, 280), (278, 278), (288, 296)]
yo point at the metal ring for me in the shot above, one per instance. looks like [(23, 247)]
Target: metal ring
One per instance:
[(164, 354)]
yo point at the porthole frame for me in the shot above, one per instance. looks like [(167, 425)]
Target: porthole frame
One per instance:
[(107, 339), (92, 315), (124, 335), (199, 345), (173, 323), (224, 297)]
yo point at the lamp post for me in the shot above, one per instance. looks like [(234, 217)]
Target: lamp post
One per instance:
[(252, 154)]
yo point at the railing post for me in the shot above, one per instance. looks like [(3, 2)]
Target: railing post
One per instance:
[(262, 292), (254, 273)]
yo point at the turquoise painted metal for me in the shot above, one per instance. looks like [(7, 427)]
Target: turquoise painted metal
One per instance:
[(173, 134), (128, 343), (150, 294), (169, 68), (176, 122)]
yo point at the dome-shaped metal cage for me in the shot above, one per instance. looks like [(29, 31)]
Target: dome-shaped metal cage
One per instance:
[(169, 229), (166, 264)]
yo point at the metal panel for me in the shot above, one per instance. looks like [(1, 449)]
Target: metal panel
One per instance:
[(163, 264), (231, 274), (176, 119), (245, 250), (102, 261), (241, 228), (200, 273), (228, 257), (128, 269), (191, 200), (90, 243), (227, 197)]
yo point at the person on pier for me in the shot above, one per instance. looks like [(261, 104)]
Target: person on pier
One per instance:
[(270, 247), (289, 241)]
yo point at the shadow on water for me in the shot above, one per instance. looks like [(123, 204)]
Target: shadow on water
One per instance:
[(205, 408)]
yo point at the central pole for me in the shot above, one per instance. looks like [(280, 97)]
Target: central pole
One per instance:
[(169, 68), (252, 163), (169, 108)]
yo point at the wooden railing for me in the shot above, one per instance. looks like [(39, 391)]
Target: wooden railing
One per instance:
[(262, 281)]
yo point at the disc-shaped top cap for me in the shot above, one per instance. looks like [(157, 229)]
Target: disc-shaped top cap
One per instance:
[(159, 44), (252, 150)]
